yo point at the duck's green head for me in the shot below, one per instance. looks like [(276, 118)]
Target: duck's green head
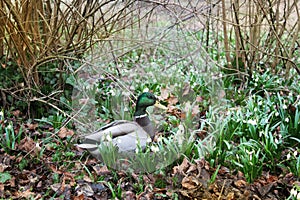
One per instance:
[(145, 100)]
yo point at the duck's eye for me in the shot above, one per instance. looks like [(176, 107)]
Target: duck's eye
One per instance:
[(152, 97)]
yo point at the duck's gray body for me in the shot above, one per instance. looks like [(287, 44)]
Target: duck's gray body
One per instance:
[(126, 135)]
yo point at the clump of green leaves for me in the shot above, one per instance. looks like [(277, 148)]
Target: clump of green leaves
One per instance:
[(9, 138), (253, 136)]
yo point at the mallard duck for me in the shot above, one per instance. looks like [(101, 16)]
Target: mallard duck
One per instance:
[(125, 134)]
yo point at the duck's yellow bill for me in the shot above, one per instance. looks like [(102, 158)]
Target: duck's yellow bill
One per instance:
[(158, 105)]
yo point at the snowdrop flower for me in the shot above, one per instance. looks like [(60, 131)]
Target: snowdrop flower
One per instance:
[(149, 140), (1, 115), (146, 90), (112, 93), (284, 107), (260, 103), (250, 154), (228, 113), (293, 192), (286, 119), (154, 148), (298, 196), (108, 138), (9, 126), (252, 122), (277, 114), (255, 109), (288, 156), (276, 141), (159, 139), (295, 153), (180, 134)]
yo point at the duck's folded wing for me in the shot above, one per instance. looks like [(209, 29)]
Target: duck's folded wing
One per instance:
[(114, 129), (125, 134), (129, 142)]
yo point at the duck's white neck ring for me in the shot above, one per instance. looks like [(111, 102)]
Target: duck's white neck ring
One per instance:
[(140, 116)]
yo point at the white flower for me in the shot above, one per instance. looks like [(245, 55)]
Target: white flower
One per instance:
[(108, 138), (250, 154), (146, 90), (298, 196), (260, 103), (136, 150), (154, 148), (252, 122), (255, 109), (276, 141), (9, 126), (228, 112), (1, 115), (277, 114), (288, 156), (180, 134), (295, 153), (159, 139), (112, 93), (293, 192), (287, 119), (284, 107), (149, 140)]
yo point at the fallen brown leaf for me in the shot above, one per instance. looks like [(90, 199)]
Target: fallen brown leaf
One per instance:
[(28, 145), (230, 196), (25, 194), (164, 93), (101, 170), (32, 127), (128, 195), (3, 167), (182, 168), (186, 89), (190, 182), (64, 132), (16, 113), (240, 183)]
